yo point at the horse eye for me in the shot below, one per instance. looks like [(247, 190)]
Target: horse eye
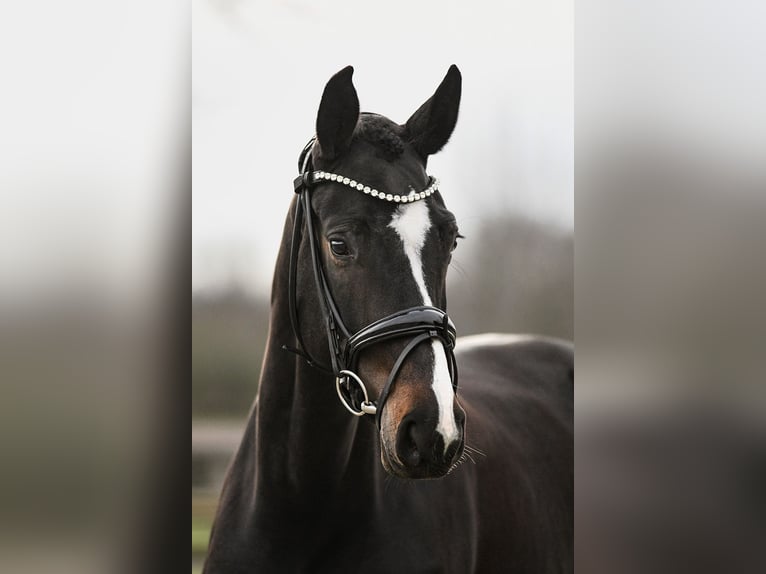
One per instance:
[(339, 247), (454, 244)]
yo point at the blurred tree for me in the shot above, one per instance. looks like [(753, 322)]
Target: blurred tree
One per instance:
[(228, 339), (515, 276)]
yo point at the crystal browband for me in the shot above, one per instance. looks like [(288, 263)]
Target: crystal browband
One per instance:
[(433, 186)]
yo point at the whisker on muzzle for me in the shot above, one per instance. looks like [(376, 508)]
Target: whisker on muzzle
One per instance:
[(474, 450)]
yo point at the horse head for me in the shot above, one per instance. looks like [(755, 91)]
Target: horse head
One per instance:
[(383, 240)]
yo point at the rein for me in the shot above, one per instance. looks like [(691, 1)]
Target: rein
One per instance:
[(422, 323)]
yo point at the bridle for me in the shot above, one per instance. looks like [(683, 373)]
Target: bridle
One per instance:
[(420, 324)]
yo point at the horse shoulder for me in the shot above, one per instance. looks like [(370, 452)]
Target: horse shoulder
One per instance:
[(517, 392), (507, 364)]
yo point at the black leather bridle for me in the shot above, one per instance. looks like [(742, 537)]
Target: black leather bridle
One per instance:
[(421, 323)]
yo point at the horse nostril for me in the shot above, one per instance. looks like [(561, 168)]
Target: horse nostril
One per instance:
[(414, 454), (407, 445), (418, 442)]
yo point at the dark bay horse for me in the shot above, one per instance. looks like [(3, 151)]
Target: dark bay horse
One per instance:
[(359, 299)]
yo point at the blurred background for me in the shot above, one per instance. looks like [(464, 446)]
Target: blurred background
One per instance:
[(95, 180), (670, 399), (258, 74), (94, 201)]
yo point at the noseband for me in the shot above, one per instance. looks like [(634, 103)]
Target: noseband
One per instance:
[(420, 324)]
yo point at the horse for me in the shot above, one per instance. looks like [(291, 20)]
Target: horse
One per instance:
[(361, 452)]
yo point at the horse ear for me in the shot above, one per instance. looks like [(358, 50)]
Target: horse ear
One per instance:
[(431, 126), (338, 114)]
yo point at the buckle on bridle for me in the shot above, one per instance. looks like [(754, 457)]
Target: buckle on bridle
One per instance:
[(367, 407), (303, 181)]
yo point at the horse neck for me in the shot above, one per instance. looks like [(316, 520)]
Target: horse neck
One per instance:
[(306, 443)]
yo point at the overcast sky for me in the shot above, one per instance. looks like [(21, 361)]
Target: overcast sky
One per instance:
[(259, 69)]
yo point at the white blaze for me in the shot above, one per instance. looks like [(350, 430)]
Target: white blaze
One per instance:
[(411, 223)]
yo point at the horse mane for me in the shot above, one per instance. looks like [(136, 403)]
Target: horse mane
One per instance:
[(382, 133)]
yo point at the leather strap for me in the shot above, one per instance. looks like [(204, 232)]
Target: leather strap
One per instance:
[(395, 371)]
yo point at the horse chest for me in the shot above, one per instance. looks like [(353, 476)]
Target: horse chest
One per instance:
[(402, 532), (402, 543)]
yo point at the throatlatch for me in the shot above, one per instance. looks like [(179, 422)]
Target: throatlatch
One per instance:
[(421, 324)]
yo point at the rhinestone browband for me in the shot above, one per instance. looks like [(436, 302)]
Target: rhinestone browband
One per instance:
[(412, 196)]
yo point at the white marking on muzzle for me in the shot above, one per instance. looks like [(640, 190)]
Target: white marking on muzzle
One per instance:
[(411, 222)]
